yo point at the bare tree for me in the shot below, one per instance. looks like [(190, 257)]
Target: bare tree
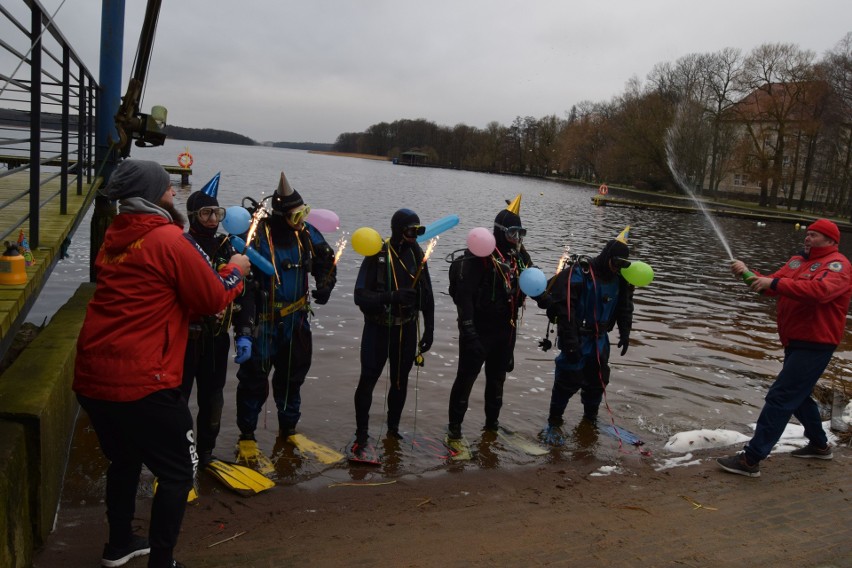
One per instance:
[(776, 76)]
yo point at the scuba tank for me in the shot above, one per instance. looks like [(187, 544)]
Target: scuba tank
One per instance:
[(12, 266)]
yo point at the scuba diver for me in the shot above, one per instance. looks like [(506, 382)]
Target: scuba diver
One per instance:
[(206, 360), (587, 299), (272, 324), (487, 297), (392, 288)]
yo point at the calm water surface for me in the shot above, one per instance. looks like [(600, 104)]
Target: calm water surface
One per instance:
[(703, 348)]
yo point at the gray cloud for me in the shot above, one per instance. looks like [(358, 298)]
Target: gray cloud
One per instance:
[(307, 71)]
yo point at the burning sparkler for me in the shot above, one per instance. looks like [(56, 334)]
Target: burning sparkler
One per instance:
[(563, 260), (340, 244), (426, 254)]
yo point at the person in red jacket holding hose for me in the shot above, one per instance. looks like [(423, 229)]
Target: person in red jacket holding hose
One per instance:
[(151, 280), (813, 290)]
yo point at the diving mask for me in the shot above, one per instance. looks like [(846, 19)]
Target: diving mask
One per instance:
[(297, 215), (206, 213), (413, 231), (514, 234)]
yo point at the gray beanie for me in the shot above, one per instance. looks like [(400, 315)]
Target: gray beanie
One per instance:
[(138, 178)]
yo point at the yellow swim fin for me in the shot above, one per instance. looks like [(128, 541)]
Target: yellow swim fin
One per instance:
[(319, 451), (242, 480), (249, 454), (191, 497)]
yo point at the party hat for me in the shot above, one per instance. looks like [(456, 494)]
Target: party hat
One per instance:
[(622, 237), (515, 205), (284, 188), (211, 189)]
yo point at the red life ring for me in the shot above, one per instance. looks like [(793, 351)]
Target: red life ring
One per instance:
[(184, 159), (603, 189)]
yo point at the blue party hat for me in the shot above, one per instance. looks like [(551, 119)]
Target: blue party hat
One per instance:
[(211, 189)]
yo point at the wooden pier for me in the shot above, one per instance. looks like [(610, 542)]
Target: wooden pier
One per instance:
[(13, 162)]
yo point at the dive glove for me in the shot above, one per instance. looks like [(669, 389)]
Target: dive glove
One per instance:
[(402, 297), (624, 342), (243, 345), (321, 295), (469, 339), (426, 340)]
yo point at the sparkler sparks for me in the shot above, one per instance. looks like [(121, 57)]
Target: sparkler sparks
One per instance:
[(340, 244), (563, 260), (429, 248)]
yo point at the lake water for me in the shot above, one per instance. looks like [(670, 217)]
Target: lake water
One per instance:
[(703, 348)]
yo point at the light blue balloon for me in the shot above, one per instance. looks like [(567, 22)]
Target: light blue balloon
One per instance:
[(438, 227), (533, 282), (237, 220), (255, 257)]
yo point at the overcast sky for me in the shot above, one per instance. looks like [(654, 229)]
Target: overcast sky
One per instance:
[(279, 70)]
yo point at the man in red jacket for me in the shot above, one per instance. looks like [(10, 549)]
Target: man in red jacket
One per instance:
[(151, 279), (813, 290)]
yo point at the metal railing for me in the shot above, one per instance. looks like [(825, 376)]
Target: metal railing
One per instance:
[(47, 115)]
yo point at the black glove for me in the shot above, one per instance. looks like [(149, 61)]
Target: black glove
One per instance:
[(510, 366), (469, 340), (321, 295), (402, 297), (624, 342), (552, 313), (544, 300), (426, 340)]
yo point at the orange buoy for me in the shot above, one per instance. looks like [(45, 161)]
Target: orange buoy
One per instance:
[(603, 189), (184, 159)]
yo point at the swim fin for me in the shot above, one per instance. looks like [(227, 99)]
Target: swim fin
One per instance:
[(319, 451), (250, 455), (191, 497), (242, 480)]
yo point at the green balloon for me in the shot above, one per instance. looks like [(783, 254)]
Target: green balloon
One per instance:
[(638, 273)]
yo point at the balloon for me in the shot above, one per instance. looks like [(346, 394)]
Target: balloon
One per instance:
[(237, 220), (481, 241), (638, 273), (257, 259), (323, 219), (532, 281), (438, 227), (366, 241)]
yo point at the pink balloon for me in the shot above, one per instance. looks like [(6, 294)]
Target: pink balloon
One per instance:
[(481, 241), (324, 220)]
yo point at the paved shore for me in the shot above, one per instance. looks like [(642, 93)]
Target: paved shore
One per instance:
[(797, 513)]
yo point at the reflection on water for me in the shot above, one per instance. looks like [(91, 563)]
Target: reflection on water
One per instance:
[(703, 346)]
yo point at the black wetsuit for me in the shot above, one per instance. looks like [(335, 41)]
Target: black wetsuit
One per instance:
[(487, 297), (207, 350), (390, 330)]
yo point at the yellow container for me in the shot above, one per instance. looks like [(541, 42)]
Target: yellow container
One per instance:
[(12, 266)]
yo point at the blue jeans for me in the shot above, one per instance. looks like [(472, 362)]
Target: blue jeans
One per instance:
[(790, 395)]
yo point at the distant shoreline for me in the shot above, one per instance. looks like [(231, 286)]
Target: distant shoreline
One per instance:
[(350, 155)]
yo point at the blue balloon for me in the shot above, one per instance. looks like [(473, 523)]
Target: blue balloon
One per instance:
[(237, 220), (533, 282), (257, 259), (438, 227)]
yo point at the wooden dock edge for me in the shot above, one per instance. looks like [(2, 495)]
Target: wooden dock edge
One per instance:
[(37, 415)]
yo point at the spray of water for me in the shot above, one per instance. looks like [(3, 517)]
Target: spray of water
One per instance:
[(671, 160)]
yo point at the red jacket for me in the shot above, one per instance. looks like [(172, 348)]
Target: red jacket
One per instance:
[(813, 296), (150, 279)]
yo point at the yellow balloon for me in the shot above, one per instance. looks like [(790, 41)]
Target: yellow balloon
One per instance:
[(366, 241)]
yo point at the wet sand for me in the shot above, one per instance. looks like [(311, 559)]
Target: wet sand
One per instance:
[(552, 513)]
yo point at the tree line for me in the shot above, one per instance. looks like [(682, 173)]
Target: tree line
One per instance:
[(776, 119)]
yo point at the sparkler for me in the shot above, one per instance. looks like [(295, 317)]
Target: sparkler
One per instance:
[(340, 244), (426, 254), (563, 260)]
